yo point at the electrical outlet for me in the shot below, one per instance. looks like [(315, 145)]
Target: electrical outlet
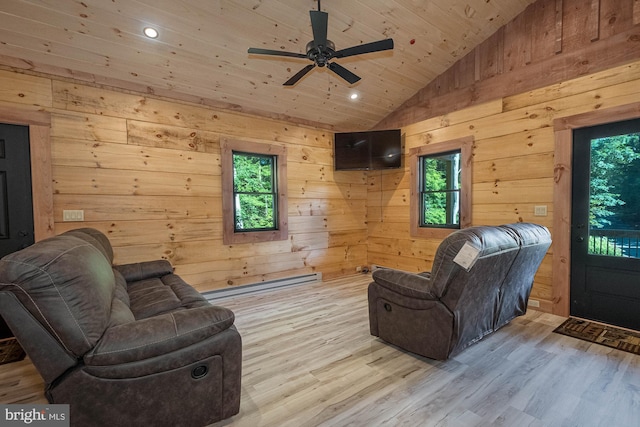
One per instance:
[(540, 210), (358, 269), (534, 303), (71, 215)]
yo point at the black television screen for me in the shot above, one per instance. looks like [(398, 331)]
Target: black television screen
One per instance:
[(372, 150)]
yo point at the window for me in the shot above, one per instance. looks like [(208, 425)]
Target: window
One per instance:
[(255, 194), (254, 187), (441, 188), (606, 189)]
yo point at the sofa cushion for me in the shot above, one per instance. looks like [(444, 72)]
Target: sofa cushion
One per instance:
[(530, 234), (159, 335), (96, 238), (144, 270), (68, 284), (489, 241), (121, 291), (188, 296), (404, 283), (151, 297), (120, 314)]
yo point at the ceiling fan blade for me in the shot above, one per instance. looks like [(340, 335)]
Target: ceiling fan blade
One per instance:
[(319, 22), (259, 51), (343, 72), (293, 80), (378, 46)]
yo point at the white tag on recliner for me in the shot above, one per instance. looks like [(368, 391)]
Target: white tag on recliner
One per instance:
[(467, 256)]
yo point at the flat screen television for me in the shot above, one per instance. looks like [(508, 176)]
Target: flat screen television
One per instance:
[(370, 150)]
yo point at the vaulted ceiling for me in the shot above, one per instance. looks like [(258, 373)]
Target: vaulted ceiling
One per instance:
[(201, 52)]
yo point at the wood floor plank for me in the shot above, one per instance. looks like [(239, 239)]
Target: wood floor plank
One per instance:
[(309, 360)]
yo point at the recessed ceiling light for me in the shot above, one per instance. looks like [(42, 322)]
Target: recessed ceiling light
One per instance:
[(152, 33), (353, 96)]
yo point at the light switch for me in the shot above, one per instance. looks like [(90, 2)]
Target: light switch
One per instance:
[(70, 215), (540, 210)]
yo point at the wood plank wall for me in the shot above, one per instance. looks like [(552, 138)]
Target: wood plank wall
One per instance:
[(513, 166), (550, 42), (146, 171)]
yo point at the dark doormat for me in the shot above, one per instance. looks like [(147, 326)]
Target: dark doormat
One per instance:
[(598, 333), (10, 351)]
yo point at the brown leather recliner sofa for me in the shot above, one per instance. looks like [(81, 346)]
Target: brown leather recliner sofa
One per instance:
[(481, 279), (126, 345)]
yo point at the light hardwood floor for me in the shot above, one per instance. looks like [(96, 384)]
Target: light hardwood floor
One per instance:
[(309, 360)]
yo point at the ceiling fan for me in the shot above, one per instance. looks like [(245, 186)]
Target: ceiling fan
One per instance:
[(321, 50)]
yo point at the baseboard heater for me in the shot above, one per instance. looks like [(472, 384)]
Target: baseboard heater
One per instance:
[(263, 286)]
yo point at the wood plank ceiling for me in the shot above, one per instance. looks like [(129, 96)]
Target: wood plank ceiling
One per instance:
[(201, 52)]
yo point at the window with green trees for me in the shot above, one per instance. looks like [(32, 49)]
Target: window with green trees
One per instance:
[(440, 176), (254, 192), (614, 202), (440, 187)]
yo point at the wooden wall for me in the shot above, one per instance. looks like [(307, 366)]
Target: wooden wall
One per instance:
[(552, 41), (572, 57), (146, 171), (513, 166)]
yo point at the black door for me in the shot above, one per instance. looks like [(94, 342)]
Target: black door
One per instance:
[(16, 204), (605, 224)]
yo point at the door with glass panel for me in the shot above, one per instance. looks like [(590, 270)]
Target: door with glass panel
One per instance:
[(605, 224)]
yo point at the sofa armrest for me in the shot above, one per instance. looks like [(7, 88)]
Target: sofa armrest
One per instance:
[(155, 336), (404, 283), (144, 270)]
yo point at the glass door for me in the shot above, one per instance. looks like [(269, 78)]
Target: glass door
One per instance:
[(605, 228)]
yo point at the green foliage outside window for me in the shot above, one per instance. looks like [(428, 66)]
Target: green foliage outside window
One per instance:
[(440, 190), (254, 191), (614, 201), (614, 163), (603, 246)]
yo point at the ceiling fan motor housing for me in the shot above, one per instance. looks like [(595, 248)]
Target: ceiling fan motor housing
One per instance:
[(320, 54)]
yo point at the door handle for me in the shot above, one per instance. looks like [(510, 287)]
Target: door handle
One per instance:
[(580, 239)]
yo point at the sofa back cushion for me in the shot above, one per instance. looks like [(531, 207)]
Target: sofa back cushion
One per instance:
[(473, 294), (486, 241), (514, 294), (96, 238), (67, 284)]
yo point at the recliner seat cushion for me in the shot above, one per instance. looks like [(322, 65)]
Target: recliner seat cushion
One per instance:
[(151, 297), (154, 296), (159, 335), (407, 284)]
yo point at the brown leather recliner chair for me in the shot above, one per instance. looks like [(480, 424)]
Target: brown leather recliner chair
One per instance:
[(481, 279), (130, 345)]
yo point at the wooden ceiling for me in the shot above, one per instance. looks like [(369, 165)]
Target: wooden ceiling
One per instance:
[(201, 52)]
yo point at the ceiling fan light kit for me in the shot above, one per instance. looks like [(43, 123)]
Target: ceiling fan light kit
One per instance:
[(320, 51)]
